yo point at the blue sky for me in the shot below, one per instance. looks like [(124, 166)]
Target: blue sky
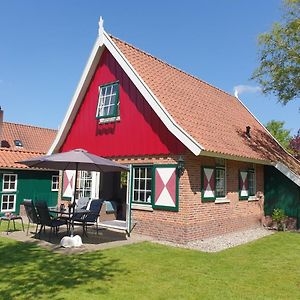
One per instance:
[(44, 46)]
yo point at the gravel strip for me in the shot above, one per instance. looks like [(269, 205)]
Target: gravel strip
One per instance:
[(225, 241)]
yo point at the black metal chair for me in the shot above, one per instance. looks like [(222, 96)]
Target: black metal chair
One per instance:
[(31, 214), (46, 219), (89, 218)]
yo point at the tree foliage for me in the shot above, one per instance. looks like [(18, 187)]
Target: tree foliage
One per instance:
[(295, 145), (281, 134), (279, 53)]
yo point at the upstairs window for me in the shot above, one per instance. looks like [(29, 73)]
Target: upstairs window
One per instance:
[(108, 102), (9, 182)]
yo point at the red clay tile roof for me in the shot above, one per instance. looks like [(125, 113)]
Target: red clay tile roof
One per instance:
[(215, 119), (36, 141), (8, 158), (33, 138)]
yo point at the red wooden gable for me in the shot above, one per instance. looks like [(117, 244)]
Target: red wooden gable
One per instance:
[(139, 131)]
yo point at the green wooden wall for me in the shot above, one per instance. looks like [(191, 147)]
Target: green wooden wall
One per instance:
[(281, 192), (35, 185)]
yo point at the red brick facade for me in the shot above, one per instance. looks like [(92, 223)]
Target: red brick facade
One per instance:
[(196, 219)]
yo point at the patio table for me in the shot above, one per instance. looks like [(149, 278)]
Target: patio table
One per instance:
[(11, 218), (67, 214)]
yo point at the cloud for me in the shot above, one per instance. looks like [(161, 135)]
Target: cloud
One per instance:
[(241, 89)]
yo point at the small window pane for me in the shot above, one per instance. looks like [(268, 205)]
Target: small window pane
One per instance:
[(114, 90), (143, 184), (148, 185), (108, 90)]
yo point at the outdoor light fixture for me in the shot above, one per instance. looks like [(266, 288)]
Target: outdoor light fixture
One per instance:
[(180, 166)]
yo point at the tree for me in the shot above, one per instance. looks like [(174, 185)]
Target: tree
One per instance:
[(295, 145), (279, 53), (281, 134)]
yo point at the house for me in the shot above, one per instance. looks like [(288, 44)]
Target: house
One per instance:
[(18, 182), (197, 154)]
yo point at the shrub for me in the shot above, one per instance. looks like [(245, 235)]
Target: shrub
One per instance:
[(278, 216)]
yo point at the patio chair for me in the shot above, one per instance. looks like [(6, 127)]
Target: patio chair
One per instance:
[(46, 219), (89, 218), (82, 203), (31, 214)]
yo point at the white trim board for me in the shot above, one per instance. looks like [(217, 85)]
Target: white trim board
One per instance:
[(287, 172), (105, 41)]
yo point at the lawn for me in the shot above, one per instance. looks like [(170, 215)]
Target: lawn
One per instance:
[(266, 269)]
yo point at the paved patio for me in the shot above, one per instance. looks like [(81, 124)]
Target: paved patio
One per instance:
[(105, 239)]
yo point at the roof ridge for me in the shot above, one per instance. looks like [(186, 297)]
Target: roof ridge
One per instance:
[(33, 126), (171, 66)]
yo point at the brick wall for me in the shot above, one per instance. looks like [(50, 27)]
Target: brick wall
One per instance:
[(195, 219)]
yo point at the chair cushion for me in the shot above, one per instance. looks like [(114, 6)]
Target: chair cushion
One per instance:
[(82, 202)]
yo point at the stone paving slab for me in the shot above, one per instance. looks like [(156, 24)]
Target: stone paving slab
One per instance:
[(104, 240)]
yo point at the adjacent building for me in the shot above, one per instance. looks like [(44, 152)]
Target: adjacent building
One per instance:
[(18, 182)]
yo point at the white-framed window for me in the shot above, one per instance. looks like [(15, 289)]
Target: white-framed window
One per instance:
[(214, 187), (108, 102), (251, 182), (8, 202), (85, 184), (9, 182), (55, 183), (142, 184), (220, 182)]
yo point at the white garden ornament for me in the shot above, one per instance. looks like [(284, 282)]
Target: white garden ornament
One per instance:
[(71, 241)]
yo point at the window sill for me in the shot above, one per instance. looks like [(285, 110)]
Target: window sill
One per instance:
[(252, 198), (109, 120), (141, 207), (222, 200)]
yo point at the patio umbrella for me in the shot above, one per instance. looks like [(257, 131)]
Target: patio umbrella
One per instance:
[(77, 159)]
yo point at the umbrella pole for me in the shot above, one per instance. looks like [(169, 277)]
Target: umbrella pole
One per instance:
[(74, 196)]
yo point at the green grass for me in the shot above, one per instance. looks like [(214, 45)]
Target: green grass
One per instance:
[(266, 269)]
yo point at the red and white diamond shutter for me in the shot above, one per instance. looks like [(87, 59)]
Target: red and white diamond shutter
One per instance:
[(166, 188), (244, 187), (68, 183), (208, 184)]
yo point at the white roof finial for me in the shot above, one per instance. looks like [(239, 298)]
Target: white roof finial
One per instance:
[(101, 28)]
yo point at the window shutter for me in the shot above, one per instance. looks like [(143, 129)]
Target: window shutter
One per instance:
[(165, 188), (208, 184), (68, 184), (244, 187)]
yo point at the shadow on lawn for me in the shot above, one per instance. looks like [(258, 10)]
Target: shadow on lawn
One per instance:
[(27, 271)]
